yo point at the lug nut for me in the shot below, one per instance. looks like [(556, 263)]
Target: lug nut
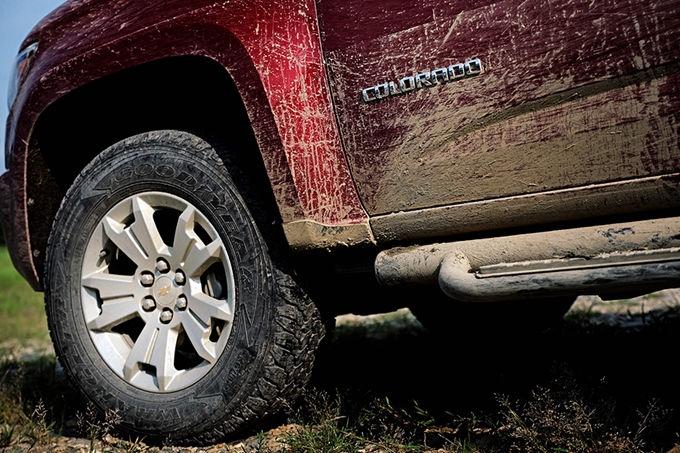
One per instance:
[(180, 278), (182, 302), (166, 316), (162, 265), (148, 304), (146, 278)]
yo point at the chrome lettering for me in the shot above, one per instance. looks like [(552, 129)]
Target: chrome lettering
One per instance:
[(381, 91), (365, 95), (394, 89), (440, 75), (426, 79), (473, 67), (411, 84), (423, 80), (456, 71)]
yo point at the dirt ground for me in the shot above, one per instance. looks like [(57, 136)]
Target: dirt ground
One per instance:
[(391, 354)]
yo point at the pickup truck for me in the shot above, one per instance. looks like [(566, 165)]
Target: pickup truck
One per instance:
[(199, 186)]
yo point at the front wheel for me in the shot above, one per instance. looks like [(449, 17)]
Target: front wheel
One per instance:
[(162, 300)]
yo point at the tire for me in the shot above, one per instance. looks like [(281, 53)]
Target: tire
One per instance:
[(162, 300)]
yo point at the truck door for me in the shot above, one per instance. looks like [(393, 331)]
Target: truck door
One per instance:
[(450, 103)]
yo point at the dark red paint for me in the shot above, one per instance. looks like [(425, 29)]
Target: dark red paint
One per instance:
[(413, 151), (271, 50), (574, 94)]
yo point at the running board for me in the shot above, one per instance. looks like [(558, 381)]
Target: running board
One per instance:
[(631, 258), (636, 272)]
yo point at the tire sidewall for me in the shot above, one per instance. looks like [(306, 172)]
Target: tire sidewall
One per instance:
[(195, 175)]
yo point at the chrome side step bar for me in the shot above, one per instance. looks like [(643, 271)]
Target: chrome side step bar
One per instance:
[(636, 257), (630, 273)]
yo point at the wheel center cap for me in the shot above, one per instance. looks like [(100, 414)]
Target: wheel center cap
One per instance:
[(164, 291)]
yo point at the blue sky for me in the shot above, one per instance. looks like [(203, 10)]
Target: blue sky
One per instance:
[(17, 17)]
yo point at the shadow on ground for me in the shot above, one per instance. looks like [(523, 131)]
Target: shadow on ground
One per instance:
[(623, 366), (610, 383)]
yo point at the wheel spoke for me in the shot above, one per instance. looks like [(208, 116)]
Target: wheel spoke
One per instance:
[(144, 228), (185, 236), (140, 352), (135, 337), (200, 338), (121, 236), (200, 258), (110, 286), (113, 314), (206, 307), (163, 357)]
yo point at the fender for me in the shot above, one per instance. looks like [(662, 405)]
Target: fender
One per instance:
[(273, 53)]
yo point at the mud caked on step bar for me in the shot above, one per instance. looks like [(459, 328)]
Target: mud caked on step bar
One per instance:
[(616, 259)]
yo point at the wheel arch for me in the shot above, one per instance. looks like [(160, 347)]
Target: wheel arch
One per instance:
[(189, 93), (276, 64)]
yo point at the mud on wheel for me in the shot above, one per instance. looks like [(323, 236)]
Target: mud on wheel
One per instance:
[(162, 300)]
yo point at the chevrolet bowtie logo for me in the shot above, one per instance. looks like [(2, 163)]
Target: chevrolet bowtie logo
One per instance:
[(164, 290)]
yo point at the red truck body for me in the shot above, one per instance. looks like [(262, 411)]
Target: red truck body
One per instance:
[(565, 87), (285, 91), (497, 149)]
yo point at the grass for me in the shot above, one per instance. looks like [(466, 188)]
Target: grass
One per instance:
[(540, 406), (34, 401), (584, 386), (22, 311), (587, 385)]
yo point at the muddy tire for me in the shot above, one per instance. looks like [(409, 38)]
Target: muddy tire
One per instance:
[(162, 300)]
